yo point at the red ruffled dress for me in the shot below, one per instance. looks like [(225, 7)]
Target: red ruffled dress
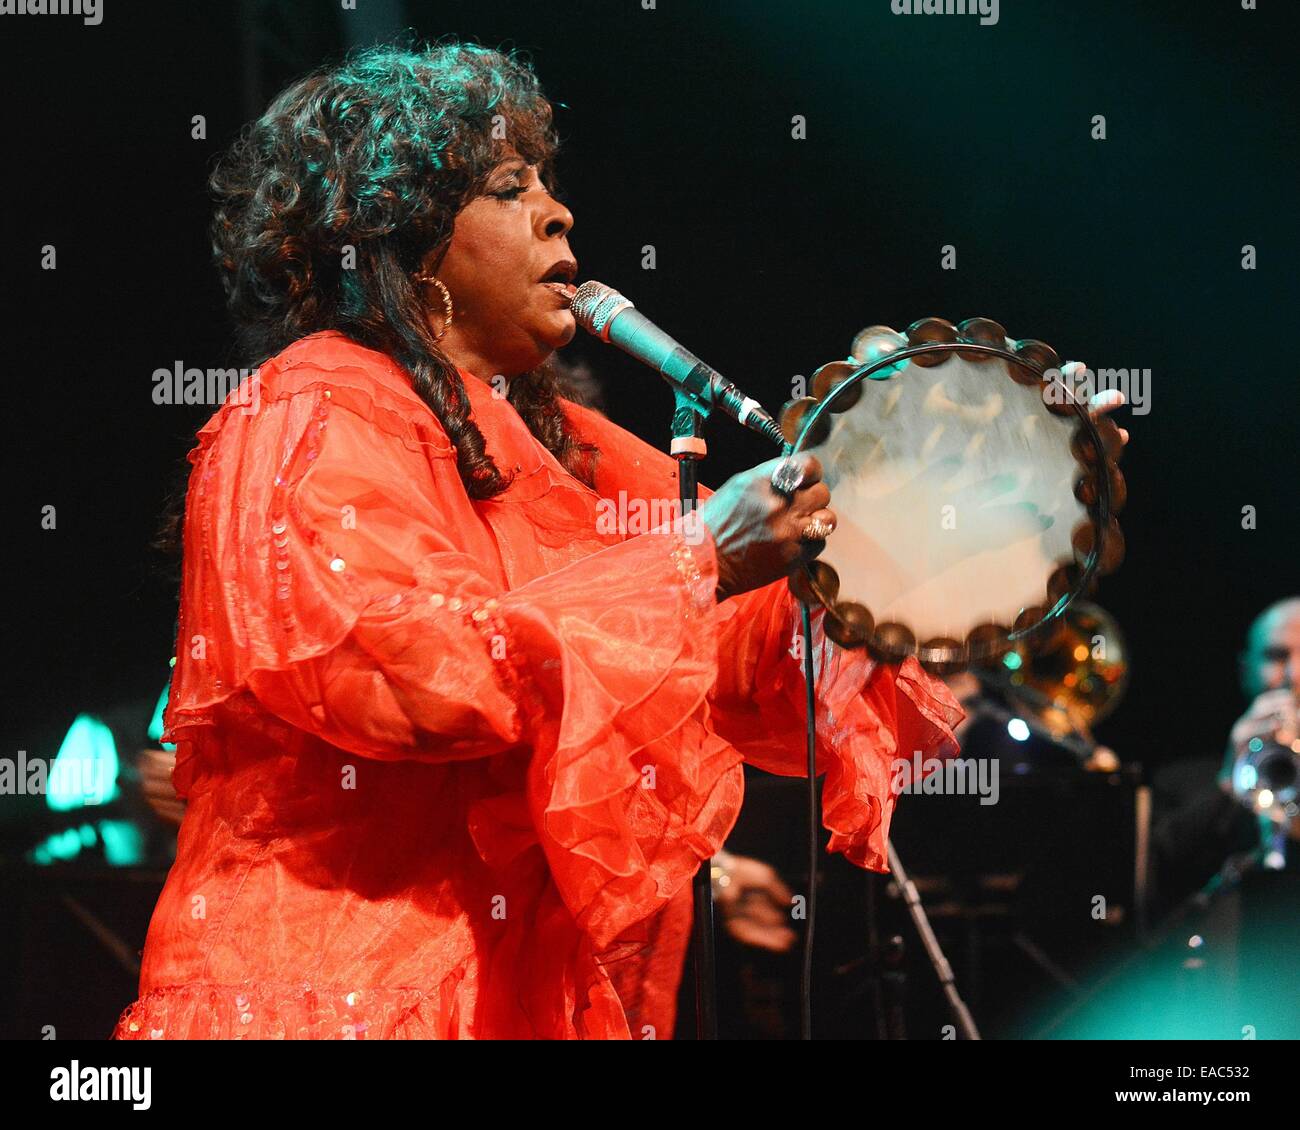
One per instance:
[(451, 764)]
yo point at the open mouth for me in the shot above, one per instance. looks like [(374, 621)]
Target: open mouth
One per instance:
[(564, 289), (559, 279)]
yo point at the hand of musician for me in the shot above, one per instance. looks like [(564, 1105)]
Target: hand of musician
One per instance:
[(752, 902), (1270, 711), (1273, 710), (1103, 402), (759, 533), (156, 767)]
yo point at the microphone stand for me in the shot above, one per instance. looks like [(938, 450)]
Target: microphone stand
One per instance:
[(943, 971), (688, 448)]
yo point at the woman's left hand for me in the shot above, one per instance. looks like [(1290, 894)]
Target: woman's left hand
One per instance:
[(1103, 402), (156, 767)]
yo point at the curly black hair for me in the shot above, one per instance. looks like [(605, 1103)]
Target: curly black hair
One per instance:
[(379, 154)]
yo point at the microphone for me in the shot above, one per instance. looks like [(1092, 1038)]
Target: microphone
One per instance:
[(602, 311)]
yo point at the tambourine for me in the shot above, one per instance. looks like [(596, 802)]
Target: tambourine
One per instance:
[(975, 495)]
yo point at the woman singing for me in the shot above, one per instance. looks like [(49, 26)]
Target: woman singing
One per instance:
[(452, 746)]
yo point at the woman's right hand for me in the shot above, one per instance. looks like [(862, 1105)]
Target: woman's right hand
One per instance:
[(758, 531)]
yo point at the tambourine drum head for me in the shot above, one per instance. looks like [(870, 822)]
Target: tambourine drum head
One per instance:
[(954, 488)]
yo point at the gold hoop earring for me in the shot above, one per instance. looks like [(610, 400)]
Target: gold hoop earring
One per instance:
[(447, 311)]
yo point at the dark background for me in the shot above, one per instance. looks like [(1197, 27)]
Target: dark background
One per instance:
[(772, 253)]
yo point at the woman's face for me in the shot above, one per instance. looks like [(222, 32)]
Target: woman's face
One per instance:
[(506, 319)]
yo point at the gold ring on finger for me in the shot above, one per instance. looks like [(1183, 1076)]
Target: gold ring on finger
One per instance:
[(817, 530)]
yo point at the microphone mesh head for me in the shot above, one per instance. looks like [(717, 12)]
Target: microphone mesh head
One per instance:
[(594, 306)]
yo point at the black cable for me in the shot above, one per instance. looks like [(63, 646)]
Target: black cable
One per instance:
[(703, 954), (809, 674)]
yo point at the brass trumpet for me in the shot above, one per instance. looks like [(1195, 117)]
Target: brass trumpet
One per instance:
[(1266, 766)]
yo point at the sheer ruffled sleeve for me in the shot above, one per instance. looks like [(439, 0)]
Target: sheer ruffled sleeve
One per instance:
[(871, 718), (337, 572)]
